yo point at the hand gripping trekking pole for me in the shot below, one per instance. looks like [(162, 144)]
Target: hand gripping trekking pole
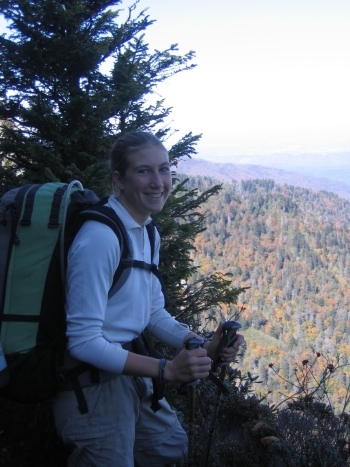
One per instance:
[(229, 335), (190, 344)]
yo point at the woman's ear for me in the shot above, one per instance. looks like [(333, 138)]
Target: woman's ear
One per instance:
[(117, 181)]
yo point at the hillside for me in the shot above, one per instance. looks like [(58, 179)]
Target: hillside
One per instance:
[(291, 247), (333, 165), (227, 172)]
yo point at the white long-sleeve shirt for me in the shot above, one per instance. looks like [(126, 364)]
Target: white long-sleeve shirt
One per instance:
[(97, 326)]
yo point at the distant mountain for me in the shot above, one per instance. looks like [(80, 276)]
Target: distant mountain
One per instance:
[(227, 172), (333, 165), (334, 159)]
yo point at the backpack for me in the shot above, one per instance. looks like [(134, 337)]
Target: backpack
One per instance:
[(38, 225)]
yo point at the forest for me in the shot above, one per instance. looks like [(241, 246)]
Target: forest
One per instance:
[(291, 248)]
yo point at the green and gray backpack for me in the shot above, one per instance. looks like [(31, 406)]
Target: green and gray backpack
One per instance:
[(37, 226)]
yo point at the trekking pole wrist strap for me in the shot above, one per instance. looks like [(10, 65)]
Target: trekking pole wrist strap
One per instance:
[(158, 386), (162, 363)]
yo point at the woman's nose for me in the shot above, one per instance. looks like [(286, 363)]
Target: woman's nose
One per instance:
[(156, 179)]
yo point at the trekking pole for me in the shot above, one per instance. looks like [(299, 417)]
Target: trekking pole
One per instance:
[(190, 344), (228, 338)]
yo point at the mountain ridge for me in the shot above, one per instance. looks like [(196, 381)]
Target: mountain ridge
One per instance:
[(227, 171)]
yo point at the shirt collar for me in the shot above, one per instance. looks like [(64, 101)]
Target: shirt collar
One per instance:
[(124, 215)]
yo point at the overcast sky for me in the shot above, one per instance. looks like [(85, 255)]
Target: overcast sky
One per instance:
[(272, 75)]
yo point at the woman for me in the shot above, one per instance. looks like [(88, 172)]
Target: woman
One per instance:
[(120, 428)]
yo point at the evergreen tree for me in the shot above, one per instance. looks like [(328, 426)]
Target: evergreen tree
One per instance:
[(61, 112), (63, 108)]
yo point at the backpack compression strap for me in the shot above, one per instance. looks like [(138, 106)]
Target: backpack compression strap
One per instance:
[(55, 207)]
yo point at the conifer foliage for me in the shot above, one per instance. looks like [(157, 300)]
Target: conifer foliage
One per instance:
[(196, 298), (59, 106), (62, 109)]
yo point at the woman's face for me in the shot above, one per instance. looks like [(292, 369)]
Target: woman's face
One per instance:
[(146, 184)]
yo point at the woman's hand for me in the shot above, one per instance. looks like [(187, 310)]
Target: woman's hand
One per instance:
[(188, 365), (228, 354)]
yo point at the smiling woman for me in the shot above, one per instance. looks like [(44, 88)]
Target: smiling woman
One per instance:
[(105, 326), (146, 183)]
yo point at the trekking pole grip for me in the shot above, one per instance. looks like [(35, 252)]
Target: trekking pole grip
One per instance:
[(229, 335)]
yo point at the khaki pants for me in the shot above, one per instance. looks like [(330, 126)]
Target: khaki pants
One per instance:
[(120, 427)]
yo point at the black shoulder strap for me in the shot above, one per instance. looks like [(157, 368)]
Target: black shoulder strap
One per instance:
[(108, 216), (151, 230)]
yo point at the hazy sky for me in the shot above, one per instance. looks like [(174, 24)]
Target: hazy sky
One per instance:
[(272, 75)]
